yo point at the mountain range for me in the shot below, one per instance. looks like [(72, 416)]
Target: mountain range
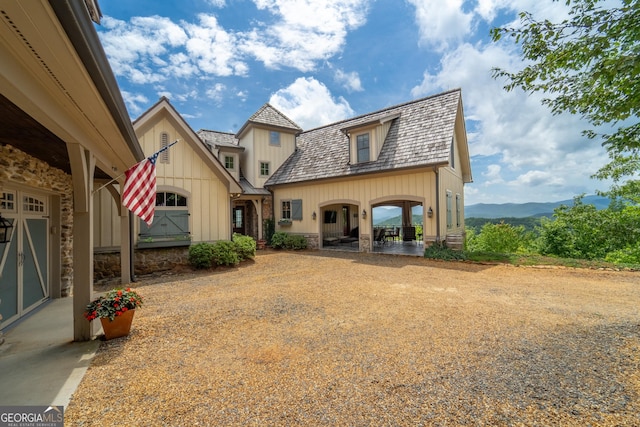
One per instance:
[(392, 215), (522, 210)]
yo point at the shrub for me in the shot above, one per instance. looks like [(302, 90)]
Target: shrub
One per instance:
[(268, 229), (296, 242), (628, 255), (499, 238), (441, 251), (282, 240), (201, 255), (224, 253), (278, 239), (245, 246)]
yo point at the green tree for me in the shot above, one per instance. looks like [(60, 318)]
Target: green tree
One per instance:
[(588, 64), (582, 231), (499, 238)]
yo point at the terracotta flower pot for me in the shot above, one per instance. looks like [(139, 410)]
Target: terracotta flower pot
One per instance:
[(119, 327)]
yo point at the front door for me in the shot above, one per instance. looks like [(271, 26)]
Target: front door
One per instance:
[(24, 266), (238, 220)]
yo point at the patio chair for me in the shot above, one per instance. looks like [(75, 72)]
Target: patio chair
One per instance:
[(379, 236)]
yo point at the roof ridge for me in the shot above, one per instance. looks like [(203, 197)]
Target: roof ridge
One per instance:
[(403, 104)]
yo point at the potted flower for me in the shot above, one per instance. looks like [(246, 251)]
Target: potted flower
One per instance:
[(115, 309)]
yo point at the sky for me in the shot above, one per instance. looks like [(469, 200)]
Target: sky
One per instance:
[(322, 61)]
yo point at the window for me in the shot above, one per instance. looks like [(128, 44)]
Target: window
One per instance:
[(264, 168), (32, 204), (168, 199), (330, 217), (453, 154), (449, 213), (458, 211), (164, 142), (228, 162), (286, 209), (274, 138), (8, 201), (362, 142), (292, 210)]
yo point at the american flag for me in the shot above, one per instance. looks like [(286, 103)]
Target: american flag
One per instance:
[(139, 193)]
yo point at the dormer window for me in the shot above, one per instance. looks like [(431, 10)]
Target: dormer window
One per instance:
[(228, 162), (274, 138), (362, 142)]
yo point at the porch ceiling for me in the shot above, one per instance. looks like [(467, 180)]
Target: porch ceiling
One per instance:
[(21, 131)]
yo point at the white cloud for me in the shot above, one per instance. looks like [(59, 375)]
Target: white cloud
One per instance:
[(350, 81), (514, 127), (309, 103), (492, 175), (133, 101), (213, 49), (217, 3), (441, 22), (535, 178), (216, 92), (304, 31)]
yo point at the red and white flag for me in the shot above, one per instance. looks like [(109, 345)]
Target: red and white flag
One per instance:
[(139, 193)]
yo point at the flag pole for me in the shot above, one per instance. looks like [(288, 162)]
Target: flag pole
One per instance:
[(122, 174)]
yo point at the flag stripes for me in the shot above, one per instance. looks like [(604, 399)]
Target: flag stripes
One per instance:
[(139, 193)]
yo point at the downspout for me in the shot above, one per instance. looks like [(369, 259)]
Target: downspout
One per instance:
[(436, 170), (132, 268)]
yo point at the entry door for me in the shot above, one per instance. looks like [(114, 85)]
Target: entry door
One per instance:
[(24, 266), (238, 220)]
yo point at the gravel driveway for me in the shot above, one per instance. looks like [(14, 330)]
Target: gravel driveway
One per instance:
[(312, 338)]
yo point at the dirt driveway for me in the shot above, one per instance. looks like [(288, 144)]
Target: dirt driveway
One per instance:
[(313, 338)]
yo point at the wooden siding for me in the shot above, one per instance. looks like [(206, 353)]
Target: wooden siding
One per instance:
[(186, 173), (361, 194), (258, 149), (377, 135)]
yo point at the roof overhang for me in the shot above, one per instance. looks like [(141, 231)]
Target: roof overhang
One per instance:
[(55, 78)]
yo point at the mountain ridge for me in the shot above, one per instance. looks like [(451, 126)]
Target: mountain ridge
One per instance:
[(522, 210)]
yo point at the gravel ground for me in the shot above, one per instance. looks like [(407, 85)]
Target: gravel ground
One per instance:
[(312, 338)]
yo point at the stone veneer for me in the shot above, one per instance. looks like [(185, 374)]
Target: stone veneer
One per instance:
[(106, 265), (20, 168)]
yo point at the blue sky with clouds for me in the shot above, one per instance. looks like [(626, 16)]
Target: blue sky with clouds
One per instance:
[(318, 62)]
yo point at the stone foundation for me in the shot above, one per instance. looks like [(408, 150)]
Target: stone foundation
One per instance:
[(106, 265)]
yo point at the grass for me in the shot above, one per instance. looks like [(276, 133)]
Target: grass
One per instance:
[(444, 253)]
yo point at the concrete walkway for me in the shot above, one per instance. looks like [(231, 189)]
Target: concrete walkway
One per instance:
[(39, 362)]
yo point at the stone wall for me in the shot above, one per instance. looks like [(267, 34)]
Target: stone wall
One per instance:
[(20, 168), (106, 265)]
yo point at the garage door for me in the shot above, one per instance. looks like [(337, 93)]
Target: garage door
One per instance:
[(24, 260)]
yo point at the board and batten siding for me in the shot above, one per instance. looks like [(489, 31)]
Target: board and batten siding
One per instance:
[(362, 192), (258, 149), (186, 173)]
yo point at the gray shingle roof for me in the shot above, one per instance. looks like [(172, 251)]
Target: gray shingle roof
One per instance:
[(420, 136), (218, 139), (268, 115)]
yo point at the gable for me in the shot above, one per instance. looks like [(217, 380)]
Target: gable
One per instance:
[(419, 135), (191, 151)]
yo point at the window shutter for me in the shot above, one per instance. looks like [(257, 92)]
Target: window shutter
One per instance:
[(296, 210)]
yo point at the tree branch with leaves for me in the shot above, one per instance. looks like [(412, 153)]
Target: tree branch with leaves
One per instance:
[(588, 64)]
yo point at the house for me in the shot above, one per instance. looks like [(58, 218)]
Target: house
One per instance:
[(64, 131), (253, 154), (413, 154), (322, 183), (193, 196)]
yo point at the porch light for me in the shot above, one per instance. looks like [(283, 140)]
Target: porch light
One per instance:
[(5, 230), (364, 214), (313, 215), (430, 212)]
